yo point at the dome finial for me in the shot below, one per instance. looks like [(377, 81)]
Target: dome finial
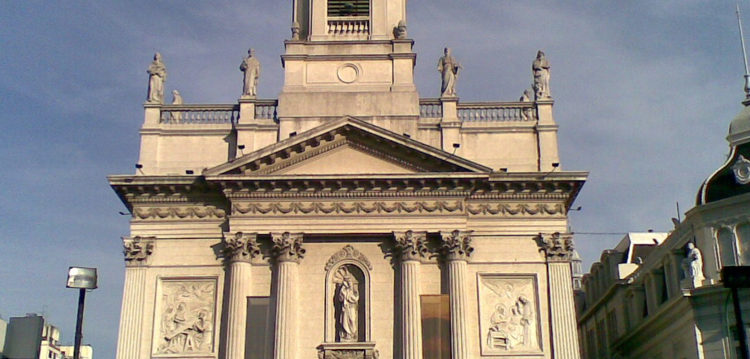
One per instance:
[(746, 102)]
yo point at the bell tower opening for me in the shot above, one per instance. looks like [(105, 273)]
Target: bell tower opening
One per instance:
[(348, 8)]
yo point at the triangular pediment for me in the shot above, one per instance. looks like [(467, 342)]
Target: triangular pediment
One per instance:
[(346, 146)]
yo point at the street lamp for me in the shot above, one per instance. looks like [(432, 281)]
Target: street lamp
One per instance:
[(82, 278)]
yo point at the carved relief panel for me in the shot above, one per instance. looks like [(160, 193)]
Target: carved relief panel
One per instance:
[(186, 311), (509, 314)]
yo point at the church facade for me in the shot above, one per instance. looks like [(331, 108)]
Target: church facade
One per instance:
[(349, 218)]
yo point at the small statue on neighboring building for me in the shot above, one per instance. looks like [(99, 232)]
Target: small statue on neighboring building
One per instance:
[(295, 31), (348, 300), (250, 66), (448, 67), (157, 74), (176, 97), (692, 265), (399, 31), (540, 68)]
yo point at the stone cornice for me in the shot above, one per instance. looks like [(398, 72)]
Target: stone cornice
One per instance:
[(178, 212), (347, 207)]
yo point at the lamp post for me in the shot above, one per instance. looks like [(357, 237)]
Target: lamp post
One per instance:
[(82, 278)]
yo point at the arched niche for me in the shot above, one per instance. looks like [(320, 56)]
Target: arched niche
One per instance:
[(347, 278)]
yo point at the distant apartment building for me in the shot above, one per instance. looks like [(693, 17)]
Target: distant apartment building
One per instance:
[(31, 337)]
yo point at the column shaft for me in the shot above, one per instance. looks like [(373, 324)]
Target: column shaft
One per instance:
[(240, 282), (457, 293), (564, 329), (285, 339), (411, 319), (131, 316)]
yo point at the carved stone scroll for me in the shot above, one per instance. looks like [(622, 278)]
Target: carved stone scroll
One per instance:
[(287, 247), (410, 245), (508, 314), (456, 245), (557, 246), (348, 252), (185, 319), (137, 249), (240, 246)]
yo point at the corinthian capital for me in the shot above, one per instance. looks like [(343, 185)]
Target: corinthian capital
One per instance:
[(240, 246), (557, 246), (137, 249), (287, 247), (410, 245), (456, 245)]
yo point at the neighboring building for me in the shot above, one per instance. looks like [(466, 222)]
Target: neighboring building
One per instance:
[(31, 337), (87, 352), (671, 303), (349, 218), (3, 331)]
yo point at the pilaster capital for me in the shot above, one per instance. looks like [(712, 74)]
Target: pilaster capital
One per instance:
[(456, 245), (410, 245), (558, 247), (137, 249), (287, 247), (240, 246)]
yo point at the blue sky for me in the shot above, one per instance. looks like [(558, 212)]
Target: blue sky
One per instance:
[(644, 91)]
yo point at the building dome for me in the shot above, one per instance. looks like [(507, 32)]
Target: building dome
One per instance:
[(739, 128)]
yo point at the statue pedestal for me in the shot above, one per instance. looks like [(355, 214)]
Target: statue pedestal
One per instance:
[(353, 350), (691, 283)]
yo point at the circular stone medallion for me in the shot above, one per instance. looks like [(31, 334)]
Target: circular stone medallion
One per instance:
[(348, 73)]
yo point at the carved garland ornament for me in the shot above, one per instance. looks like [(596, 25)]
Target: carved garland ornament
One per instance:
[(240, 246), (515, 209), (287, 247), (137, 249), (347, 207), (178, 212), (348, 252), (410, 245)]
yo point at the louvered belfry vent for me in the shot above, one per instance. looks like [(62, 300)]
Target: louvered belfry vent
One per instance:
[(340, 8)]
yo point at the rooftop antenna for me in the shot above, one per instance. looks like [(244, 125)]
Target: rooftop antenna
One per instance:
[(744, 57)]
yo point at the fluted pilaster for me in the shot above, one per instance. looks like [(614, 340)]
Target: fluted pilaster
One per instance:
[(288, 252), (239, 249), (136, 251), (409, 247), (558, 249), (456, 249)]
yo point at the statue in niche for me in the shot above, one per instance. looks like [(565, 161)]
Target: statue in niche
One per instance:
[(347, 298), (250, 66), (540, 68), (186, 318), (157, 74), (448, 67), (692, 264)]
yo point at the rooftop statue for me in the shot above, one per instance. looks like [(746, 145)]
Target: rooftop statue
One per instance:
[(400, 31), (250, 66), (176, 97), (157, 75), (448, 67), (692, 265), (540, 67)]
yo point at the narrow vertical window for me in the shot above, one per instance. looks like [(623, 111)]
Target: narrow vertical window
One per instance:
[(436, 326), (743, 232), (257, 332), (726, 247)]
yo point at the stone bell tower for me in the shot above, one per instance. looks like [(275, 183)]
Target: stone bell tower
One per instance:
[(348, 58)]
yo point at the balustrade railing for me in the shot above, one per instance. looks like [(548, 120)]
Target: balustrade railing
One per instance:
[(200, 114), (496, 111), (349, 26), (430, 108), (266, 109)]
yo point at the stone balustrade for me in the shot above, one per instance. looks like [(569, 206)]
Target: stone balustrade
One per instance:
[(266, 109), (199, 114), (496, 111), (349, 26), (430, 108)]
